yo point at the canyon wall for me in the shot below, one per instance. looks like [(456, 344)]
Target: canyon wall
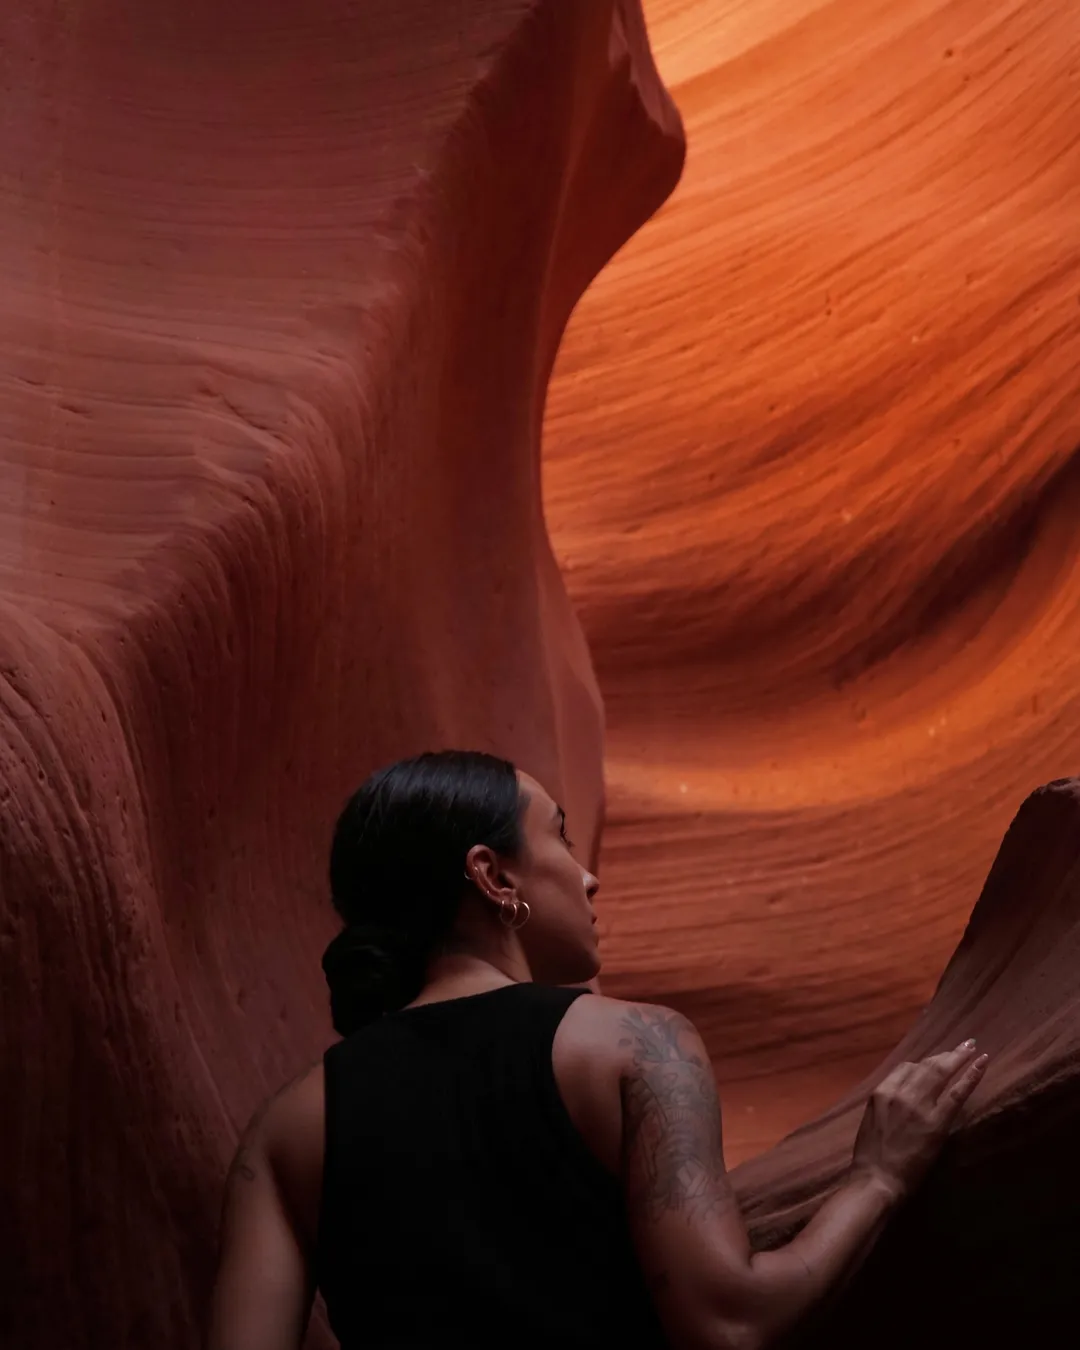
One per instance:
[(810, 471), (985, 1252), (282, 289)]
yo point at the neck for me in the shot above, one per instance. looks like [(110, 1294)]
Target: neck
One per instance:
[(456, 974)]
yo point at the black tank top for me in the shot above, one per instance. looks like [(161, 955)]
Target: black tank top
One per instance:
[(460, 1205)]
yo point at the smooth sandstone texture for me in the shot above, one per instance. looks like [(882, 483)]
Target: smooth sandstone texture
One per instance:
[(985, 1254), (282, 292), (282, 287), (810, 471)]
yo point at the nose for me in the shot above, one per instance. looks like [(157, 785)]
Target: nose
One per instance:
[(592, 884)]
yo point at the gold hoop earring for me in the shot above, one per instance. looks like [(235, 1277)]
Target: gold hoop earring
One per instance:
[(514, 913)]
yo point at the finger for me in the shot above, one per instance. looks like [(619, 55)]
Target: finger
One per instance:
[(940, 1068), (895, 1079), (957, 1093)]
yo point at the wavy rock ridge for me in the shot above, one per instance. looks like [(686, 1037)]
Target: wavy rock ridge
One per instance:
[(985, 1253), (282, 292), (810, 470), (281, 301)]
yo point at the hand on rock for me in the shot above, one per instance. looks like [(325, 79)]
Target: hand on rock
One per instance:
[(910, 1113)]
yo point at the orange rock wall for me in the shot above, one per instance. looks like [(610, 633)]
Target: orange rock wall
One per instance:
[(282, 294), (282, 289), (810, 473)]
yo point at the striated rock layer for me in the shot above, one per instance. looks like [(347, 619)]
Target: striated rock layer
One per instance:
[(810, 470), (985, 1254), (282, 289), (282, 292)]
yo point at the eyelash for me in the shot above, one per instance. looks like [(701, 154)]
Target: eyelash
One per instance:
[(566, 838)]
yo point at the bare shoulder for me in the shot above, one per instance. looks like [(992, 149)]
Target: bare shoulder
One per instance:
[(284, 1142), (630, 1034), (293, 1106), (603, 1046), (296, 1106)]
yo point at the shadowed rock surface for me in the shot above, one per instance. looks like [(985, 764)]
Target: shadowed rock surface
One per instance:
[(987, 1250)]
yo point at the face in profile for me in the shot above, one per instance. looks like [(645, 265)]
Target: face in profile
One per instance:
[(559, 940)]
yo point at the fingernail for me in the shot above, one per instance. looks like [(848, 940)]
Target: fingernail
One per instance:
[(982, 1061), (968, 1045)]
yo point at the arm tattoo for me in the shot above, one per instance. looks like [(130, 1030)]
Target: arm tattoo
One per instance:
[(672, 1135), (241, 1168)]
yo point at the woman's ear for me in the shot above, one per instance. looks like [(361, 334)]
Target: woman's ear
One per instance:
[(482, 869)]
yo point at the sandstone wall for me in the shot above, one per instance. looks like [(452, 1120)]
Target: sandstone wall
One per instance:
[(811, 475), (282, 286)]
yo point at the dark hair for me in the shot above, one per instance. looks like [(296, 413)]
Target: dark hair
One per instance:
[(397, 872)]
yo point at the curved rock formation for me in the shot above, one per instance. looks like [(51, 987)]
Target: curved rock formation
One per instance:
[(985, 1253), (810, 472), (282, 285)]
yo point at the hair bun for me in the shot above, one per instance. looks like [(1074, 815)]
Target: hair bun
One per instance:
[(370, 970)]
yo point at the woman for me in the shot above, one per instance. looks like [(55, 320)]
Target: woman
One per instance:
[(491, 1158)]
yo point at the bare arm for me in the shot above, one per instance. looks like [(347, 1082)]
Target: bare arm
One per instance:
[(263, 1292), (711, 1291)]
